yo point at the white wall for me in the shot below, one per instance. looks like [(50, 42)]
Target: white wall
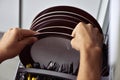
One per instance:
[(32, 7), (8, 19), (8, 14), (115, 39)]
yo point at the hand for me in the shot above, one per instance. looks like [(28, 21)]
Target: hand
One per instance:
[(88, 40), (13, 41), (86, 36)]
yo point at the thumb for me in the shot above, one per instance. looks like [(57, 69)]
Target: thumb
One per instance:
[(27, 41)]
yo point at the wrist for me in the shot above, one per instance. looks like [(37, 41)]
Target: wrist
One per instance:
[(91, 51), (91, 57), (2, 55), (90, 63)]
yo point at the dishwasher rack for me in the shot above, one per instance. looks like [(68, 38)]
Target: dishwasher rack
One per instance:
[(41, 74)]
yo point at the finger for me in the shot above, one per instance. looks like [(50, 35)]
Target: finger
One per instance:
[(75, 29), (90, 27), (101, 38), (73, 32), (26, 32), (74, 44), (21, 32), (27, 41), (79, 26), (10, 29), (96, 30), (7, 32)]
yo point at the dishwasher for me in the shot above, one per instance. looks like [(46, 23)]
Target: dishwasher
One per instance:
[(52, 57)]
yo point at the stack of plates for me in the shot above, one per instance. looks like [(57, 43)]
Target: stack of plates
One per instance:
[(62, 16), (55, 25)]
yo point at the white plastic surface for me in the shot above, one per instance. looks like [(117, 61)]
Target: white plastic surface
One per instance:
[(9, 10), (32, 7)]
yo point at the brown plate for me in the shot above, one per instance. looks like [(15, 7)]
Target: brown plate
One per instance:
[(73, 10), (51, 46), (61, 29), (44, 22), (57, 16), (54, 22), (63, 13)]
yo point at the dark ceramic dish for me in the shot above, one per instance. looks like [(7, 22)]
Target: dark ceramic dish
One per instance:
[(51, 46), (73, 10), (66, 17), (54, 22), (45, 23), (63, 13), (61, 29)]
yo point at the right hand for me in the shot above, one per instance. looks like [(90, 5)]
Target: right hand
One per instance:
[(88, 40), (86, 37)]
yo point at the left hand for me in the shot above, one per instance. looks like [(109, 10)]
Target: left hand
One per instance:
[(13, 41)]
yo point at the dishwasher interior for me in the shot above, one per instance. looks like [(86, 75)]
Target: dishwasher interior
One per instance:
[(58, 69), (53, 70)]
